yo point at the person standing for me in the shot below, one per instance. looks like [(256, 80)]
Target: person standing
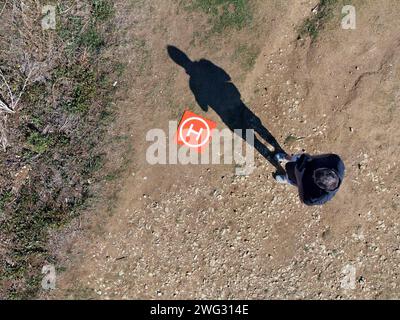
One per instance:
[(318, 178)]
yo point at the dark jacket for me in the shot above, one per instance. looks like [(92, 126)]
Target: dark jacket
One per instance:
[(301, 172)]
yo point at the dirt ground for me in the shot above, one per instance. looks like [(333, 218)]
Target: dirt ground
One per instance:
[(197, 231)]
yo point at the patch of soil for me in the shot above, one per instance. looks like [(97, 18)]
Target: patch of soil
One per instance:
[(180, 232)]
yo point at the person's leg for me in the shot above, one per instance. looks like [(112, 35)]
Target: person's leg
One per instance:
[(295, 157), (281, 157), (282, 178), (289, 177)]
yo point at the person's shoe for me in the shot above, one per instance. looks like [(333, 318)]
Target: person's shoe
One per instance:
[(280, 178), (280, 157)]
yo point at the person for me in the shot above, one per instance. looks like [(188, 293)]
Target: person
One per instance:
[(318, 178)]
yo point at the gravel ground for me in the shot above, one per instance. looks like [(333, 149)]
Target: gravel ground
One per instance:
[(200, 232)]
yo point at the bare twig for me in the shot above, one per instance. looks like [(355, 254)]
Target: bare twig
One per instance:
[(3, 133), (25, 46), (4, 107), (14, 98), (10, 94), (28, 77)]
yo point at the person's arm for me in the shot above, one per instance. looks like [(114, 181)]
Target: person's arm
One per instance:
[(340, 169), (321, 200), (299, 178), (300, 168)]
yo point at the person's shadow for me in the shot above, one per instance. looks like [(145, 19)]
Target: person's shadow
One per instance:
[(212, 87)]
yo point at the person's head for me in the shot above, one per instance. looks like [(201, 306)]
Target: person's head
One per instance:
[(326, 179)]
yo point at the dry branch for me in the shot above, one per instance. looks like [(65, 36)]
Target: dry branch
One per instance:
[(3, 133), (14, 97)]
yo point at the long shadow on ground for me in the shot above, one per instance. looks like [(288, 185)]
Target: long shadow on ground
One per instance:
[(212, 87)]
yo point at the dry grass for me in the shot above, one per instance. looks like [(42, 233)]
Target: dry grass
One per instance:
[(55, 89)]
